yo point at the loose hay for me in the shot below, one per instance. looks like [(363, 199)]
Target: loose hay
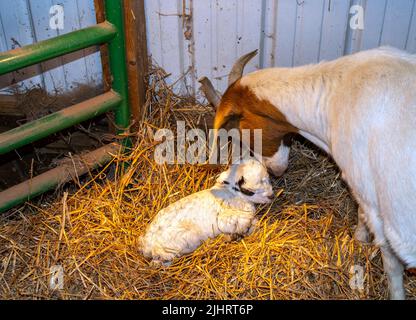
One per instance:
[(302, 249)]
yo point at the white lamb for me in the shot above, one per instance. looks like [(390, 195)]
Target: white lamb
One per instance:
[(227, 207)]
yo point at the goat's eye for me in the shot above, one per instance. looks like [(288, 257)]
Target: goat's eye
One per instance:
[(246, 192)]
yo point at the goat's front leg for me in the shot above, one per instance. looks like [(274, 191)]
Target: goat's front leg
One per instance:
[(394, 270), (232, 221), (361, 231), (392, 265)]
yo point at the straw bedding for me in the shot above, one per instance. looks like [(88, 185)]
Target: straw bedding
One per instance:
[(302, 249)]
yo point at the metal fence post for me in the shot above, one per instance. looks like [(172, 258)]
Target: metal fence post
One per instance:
[(117, 53)]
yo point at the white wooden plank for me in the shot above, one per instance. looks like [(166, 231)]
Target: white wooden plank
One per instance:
[(374, 13), (354, 37), (187, 47), (52, 69), (249, 31), (285, 33), (154, 41), (411, 38), (396, 23), (18, 32), (268, 34), (5, 79), (308, 31), (214, 48), (86, 16), (226, 37), (170, 29), (232, 27), (74, 63), (203, 37), (334, 29)]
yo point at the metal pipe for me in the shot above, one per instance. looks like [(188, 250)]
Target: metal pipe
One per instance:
[(76, 166), (57, 121), (117, 54), (28, 55), (111, 31)]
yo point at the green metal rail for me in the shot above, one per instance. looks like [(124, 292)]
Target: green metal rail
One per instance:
[(112, 32), (55, 47)]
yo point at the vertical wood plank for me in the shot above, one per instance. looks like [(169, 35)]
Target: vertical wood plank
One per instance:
[(75, 68), (249, 31), (187, 48), (334, 29), (154, 41), (285, 33), (396, 23), (226, 38), (18, 32), (105, 67), (5, 79), (169, 36), (86, 18), (136, 51), (268, 40), (308, 31), (411, 38), (204, 39), (53, 70), (374, 13)]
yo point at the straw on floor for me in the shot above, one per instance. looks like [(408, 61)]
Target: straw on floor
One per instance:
[(302, 249)]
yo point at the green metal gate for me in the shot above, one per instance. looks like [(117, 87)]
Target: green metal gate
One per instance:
[(112, 32)]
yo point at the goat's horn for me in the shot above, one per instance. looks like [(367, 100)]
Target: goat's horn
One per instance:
[(209, 91), (238, 67)]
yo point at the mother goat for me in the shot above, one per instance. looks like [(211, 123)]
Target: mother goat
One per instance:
[(361, 110)]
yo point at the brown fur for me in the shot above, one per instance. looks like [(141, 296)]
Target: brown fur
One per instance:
[(240, 108)]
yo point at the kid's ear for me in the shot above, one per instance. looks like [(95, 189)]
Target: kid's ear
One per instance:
[(230, 176), (224, 177)]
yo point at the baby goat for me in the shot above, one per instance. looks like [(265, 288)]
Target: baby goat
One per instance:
[(227, 207)]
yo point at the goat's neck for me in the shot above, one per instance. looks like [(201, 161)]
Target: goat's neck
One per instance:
[(301, 95)]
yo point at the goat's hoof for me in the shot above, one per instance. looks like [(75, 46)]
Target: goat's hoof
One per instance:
[(232, 237), (159, 263), (228, 237), (398, 295), (362, 235)]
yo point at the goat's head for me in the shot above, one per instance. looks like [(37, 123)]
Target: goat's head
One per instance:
[(240, 108), (249, 179)]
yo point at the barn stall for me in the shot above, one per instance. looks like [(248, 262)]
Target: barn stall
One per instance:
[(79, 107)]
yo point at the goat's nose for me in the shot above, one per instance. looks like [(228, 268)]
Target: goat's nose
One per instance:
[(270, 172)]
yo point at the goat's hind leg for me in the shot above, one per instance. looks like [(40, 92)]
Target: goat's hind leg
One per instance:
[(392, 265), (234, 221), (361, 232), (394, 269)]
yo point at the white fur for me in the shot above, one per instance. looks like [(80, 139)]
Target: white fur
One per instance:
[(182, 226), (361, 109), (279, 161)]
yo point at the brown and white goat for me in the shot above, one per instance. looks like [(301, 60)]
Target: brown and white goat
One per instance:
[(360, 109)]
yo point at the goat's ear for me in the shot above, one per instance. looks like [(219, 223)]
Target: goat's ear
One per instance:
[(226, 114), (224, 177), (208, 89)]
